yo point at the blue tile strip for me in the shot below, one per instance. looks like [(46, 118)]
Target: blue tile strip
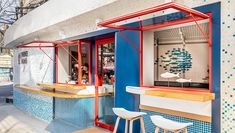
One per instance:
[(197, 127), (37, 105)]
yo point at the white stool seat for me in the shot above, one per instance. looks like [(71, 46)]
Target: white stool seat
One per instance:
[(125, 114), (166, 124), (128, 116)]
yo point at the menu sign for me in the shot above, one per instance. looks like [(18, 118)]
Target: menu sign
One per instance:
[(22, 57)]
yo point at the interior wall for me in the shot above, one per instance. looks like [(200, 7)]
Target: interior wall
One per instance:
[(63, 65), (148, 58)]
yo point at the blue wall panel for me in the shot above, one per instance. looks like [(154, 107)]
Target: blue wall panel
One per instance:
[(127, 73)]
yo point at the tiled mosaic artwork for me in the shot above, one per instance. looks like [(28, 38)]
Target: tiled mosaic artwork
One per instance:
[(37, 105), (177, 60), (197, 127)]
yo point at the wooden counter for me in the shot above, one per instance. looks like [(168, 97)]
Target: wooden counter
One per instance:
[(62, 86), (57, 94), (175, 94), (183, 95)]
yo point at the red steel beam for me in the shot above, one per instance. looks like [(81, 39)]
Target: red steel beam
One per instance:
[(26, 45), (121, 27), (129, 41), (165, 6), (36, 47), (189, 10), (201, 30), (47, 55), (173, 22)]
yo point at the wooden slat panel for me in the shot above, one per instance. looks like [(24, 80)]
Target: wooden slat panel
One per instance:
[(183, 95), (177, 113), (56, 94), (62, 86)]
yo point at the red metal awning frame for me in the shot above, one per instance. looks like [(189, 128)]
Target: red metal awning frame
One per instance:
[(54, 45), (191, 12), (192, 16)]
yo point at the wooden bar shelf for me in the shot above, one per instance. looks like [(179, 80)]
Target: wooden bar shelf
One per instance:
[(182, 95), (57, 94), (199, 96), (62, 86)]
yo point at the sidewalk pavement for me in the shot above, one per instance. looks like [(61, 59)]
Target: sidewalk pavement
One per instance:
[(13, 120)]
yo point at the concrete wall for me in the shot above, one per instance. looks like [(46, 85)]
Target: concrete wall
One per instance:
[(39, 67), (73, 18)]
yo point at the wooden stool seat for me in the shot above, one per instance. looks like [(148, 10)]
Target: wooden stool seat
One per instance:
[(128, 116), (169, 125)]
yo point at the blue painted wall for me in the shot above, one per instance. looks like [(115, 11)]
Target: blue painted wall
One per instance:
[(216, 36), (127, 73)]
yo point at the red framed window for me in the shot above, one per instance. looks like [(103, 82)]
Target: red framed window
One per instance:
[(73, 63), (180, 15)]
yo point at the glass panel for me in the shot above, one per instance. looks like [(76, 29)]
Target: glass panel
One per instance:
[(85, 61), (68, 64), (181, 57), (106, 76)]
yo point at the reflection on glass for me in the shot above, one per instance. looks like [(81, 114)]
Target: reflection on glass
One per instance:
[(106, 63), (85, 63), (73, 64)]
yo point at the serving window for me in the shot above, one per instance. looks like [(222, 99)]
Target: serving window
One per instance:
[(181, 57), (73, 63)]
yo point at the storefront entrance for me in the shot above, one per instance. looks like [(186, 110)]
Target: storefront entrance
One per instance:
[(105, 82)]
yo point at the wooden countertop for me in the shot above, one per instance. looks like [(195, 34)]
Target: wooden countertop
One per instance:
[(62, 86), (56, 93), (176, 94)]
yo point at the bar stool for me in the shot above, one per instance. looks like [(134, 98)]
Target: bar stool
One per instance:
[(128, 116), (169, 125)]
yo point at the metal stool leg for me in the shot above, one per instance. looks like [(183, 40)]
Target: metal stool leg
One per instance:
[(116, 125), (126, 126), (142, 125)]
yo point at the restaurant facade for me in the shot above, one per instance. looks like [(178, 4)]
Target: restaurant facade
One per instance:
[(76, 60)]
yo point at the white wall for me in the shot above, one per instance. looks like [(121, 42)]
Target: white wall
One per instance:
[(39, 68), (60, 19), (193, 107), (148, 58)]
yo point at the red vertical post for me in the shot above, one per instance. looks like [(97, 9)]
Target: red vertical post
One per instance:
[(90, 58), (57, 74), (141, 58), (210, 51), (79, 62), (96, 85)]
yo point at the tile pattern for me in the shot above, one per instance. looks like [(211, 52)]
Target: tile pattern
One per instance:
[(37, 105), (228, 66), (80, 112), (197, 127)]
